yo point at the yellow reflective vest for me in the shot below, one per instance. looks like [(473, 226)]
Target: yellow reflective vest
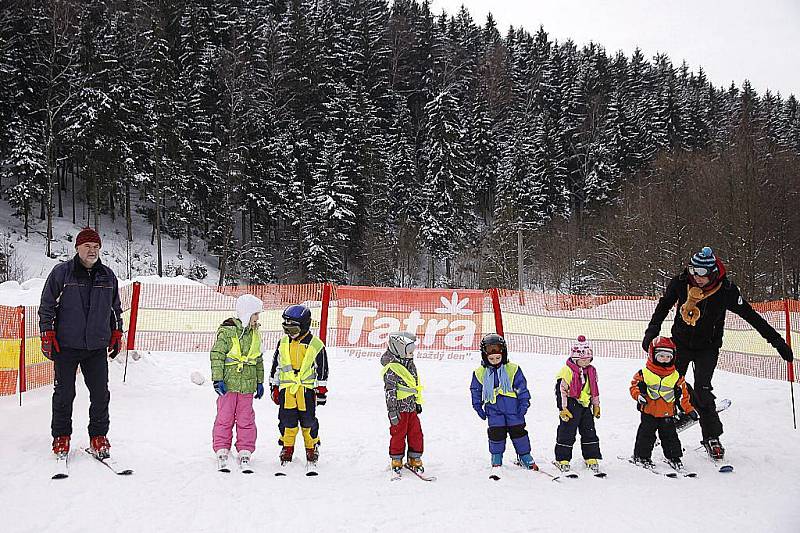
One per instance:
[(297, 381), (586, 395), (658, 387), (409, 387), (234, 357), (511, 369)]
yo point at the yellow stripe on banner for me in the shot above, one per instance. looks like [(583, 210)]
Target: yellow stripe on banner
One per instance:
[(749, 342), (177, 321), (9, 354)]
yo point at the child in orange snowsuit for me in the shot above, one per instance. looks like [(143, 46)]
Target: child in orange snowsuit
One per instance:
[(657, 389)]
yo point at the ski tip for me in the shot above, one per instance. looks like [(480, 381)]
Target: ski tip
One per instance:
[(280, 474), (726, 469), (127, 472), (494, 477), (60, 476), (312, 473)]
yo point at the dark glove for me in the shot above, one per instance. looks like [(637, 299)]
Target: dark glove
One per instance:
[(49, 343), (419, 409), (220, 388), (259, 391), (786, 352), (481, 412), (394, 418), (322, 395), (276, 396), (693, 415), (115, 343), (642, 388)]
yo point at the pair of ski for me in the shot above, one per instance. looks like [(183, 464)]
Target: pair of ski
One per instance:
[(494, 476), (311, 469), (571, 474), (62, 465), (398, 474), (674, 473), (244, 466)]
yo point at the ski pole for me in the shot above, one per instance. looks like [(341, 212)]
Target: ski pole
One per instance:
[(790, 368)]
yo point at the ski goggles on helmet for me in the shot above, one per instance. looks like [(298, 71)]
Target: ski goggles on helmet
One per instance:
[(699, 271), (492, 349), (663, 352), (291, 328)]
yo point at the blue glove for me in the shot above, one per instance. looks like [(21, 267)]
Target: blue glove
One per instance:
[(220, 388), (481, 412), (694, 415), (523, 409), (259, 391)]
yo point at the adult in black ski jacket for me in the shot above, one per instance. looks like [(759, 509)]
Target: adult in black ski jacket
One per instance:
[(80, 320), (703, 295)]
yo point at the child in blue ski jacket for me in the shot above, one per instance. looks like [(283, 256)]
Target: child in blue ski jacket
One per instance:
[(500, 394)]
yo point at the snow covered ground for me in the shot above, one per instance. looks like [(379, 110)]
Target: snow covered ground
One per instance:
[(161, 427)]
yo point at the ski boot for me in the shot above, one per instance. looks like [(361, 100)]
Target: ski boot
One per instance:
[(497, 459), (644, 462), (526, 461), (286, 454), (222, 460), (100, 447), (61, 445), (714, 448), (397, 465), (593, 465), (244, 459), (312, 454), (415, 464), (675, 464), (563, 466)]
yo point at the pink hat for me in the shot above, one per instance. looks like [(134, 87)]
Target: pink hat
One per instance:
[(581, 348)]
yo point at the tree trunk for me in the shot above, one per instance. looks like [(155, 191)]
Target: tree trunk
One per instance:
[(78, 170), (188, 237), (60, 180), (128, 223), (96, 195), (158, 212)]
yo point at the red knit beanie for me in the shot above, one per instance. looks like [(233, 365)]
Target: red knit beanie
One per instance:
[(87, 235)]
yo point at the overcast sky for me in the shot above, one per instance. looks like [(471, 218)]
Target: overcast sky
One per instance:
[(732, 40)]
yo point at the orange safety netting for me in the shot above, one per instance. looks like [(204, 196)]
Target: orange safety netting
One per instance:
[(615, 325), (185, 318)]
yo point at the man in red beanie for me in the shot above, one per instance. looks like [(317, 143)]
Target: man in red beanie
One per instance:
[(80, 319)]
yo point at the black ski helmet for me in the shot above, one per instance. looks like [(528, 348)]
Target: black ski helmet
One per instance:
[(493, 339), (296, 316)]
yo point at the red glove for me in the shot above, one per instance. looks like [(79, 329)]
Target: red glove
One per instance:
[(49, 343), (115, 343), (275, 395), (322, 395)]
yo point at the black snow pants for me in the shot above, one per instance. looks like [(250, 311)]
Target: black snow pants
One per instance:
[(646, 437), (582, 420), (94, 367), (705, 361)]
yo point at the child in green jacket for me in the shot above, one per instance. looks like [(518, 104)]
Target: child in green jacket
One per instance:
[(237, 370)]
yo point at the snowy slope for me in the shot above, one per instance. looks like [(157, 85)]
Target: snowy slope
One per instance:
[(115, 253), (161, 427)]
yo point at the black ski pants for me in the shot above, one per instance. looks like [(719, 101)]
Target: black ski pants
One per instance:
[(582, 420), (705, 361), (94, 367), (646, 437)]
